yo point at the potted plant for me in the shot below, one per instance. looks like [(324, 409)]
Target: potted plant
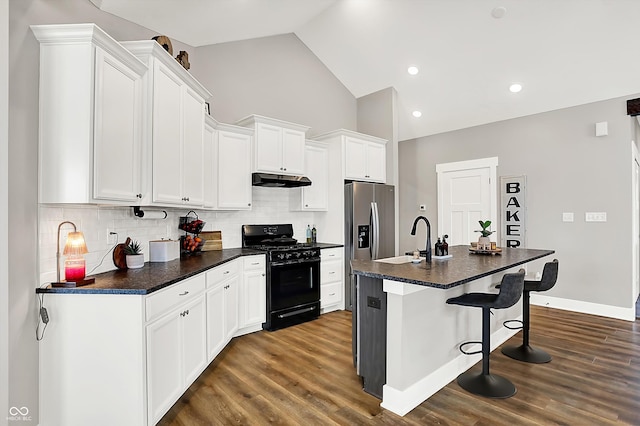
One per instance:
[(135, 258), (484, 243)]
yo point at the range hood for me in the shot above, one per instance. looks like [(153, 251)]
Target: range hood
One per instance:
[(280, 181)]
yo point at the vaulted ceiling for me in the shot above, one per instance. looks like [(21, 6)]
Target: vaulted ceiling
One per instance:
[(562, 52)]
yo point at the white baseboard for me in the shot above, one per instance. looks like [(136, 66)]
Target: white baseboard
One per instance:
[(401, 402), (627, 314)]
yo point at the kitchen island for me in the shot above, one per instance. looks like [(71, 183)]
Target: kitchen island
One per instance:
[(407, 337)]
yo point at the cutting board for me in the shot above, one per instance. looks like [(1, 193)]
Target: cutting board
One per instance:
[(119, 255)]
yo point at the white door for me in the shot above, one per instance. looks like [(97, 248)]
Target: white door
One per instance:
[(466, 195)]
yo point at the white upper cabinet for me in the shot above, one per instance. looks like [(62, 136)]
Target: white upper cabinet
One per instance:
[(91, 93), (173, 127), (278, 145), (364, 159), (230, 183), (363, 156), (314, 197)]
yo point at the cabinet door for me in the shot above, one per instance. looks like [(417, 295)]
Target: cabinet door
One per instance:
[(315, 197), (117, 130), (216, 330), (234, 171), (293, 152), (268, 148), (208, 173), (253, 304), (164, 375), (355, 166), (167, 134), (231, 306), (194, 340), (376, 162), (192, 148)]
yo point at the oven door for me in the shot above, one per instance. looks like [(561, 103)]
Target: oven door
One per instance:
[(294, 283)]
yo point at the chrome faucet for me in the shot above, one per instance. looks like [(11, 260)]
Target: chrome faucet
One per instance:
[(413, 232)]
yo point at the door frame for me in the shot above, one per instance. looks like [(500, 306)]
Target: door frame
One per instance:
[(490, 163), (635, 223)]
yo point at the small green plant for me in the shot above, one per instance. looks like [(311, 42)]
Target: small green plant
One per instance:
[(486, 224), (133, 248)]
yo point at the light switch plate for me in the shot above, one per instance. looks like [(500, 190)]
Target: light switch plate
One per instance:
[(567, 217), (595, 217)]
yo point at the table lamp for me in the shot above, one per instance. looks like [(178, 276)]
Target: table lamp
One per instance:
[(74, 265)]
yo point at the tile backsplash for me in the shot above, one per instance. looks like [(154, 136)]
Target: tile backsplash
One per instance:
[(270, 205)]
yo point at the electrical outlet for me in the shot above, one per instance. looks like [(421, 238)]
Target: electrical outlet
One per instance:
[(595, 217), (567, 217)]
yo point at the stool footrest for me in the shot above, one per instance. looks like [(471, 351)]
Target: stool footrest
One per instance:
[(470, 343), (511, 327)]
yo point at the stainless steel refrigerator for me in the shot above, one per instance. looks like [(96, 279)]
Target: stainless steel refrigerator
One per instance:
[(369, 227)]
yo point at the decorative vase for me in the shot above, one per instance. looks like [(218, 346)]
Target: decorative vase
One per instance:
[(135, 261), (484, 243)]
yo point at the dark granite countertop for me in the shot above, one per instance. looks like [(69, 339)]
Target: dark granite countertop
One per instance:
[(154, 275), (459, 269)]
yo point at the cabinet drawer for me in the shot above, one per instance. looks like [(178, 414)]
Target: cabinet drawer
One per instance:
[(222, 272), (254, 262), (330, 271), (332, 253), (160, 302), (330, 294)]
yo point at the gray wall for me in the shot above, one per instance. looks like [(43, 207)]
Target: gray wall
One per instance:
[(275, 76), (4, 213), (377, 116), (568, 169)]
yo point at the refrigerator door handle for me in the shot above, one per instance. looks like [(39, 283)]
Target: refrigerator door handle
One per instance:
[(375, 230), (371, 240)]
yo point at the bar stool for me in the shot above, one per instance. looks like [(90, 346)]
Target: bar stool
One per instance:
[(483, 383), (524, 352)]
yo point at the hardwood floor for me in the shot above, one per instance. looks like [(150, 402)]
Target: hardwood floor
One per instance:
[(304, 375)]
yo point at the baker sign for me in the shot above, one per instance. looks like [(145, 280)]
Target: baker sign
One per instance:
[(513, 211)]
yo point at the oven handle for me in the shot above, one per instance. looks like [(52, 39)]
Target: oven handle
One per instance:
[(296, 312), (296, 261)]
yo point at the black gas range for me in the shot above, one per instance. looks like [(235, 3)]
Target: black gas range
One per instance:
[(293, 274)]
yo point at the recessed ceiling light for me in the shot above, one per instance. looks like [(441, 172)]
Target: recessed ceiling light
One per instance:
[(515, 87), (417, 114), (498, 12), (413, 70)]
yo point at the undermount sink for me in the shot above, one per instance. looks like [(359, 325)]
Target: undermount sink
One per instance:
[(398, 259)]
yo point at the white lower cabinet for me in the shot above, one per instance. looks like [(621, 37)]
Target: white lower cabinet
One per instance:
[(222, 306), (141, 352), (253, 294), (176, 348), (331, 279)]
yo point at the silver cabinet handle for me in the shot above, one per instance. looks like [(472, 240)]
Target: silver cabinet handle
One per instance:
[(255, 263), (184, 294), (225, 272)]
